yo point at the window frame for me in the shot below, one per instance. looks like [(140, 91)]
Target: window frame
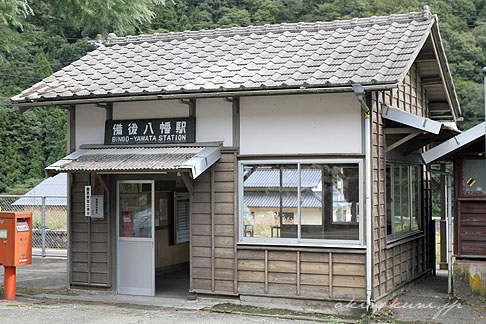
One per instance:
[(299, 241), (391, 237)]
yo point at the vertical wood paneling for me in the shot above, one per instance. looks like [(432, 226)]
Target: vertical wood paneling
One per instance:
[(397, 265), (213, 235), (301, 273), (89, 243)]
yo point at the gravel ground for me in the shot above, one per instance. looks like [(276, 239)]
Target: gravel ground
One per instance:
[(34, 311)]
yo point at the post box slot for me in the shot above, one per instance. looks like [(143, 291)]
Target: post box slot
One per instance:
[(22, 225)]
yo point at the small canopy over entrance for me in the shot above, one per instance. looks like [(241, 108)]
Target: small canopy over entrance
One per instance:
[(195, 159)]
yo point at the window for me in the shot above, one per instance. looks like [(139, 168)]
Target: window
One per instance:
[(296, 202), (181, 218), (135, 201), (474, 177), (403, 199)]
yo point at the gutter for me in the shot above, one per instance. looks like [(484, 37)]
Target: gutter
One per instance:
[(219, 94), (360, 92)]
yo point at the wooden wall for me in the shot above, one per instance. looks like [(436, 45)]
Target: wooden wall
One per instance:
[(219, 266), (166, 254), (469, 214), (213, 228), (398, 263), (89, 245), (301, 272)]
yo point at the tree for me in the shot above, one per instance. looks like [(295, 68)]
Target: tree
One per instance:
[(103, 16), (36, 159), (12, 10), (234, 17)]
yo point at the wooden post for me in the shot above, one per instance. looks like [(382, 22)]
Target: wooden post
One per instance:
[(213, 283), (330, 276), (266, 271), (298, 273), (236, 221)]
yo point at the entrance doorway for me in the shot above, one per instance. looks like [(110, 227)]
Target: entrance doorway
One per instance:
[(171, 239), (153, 237)]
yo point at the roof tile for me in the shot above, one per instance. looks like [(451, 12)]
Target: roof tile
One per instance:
[(366, 50)]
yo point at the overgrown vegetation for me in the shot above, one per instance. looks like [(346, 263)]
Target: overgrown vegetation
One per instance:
[(39, 37)]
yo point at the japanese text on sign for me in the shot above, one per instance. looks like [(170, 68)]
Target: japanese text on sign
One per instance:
[(150, 131)]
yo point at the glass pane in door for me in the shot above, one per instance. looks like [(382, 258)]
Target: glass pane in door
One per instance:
[(135, 210)]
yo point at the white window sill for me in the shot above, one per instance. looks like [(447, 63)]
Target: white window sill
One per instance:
[(325, 244)]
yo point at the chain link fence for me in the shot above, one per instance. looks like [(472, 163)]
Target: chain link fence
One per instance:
[(49, 221)]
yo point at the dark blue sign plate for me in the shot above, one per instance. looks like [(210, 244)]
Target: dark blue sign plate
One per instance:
[(150, 131)]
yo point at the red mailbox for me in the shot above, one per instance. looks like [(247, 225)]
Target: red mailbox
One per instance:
[(15, 246)]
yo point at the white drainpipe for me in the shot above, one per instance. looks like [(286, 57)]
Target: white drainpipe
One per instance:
[(449, 234), (449, 226), (360, 93)]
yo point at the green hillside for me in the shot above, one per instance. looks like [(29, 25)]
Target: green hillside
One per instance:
[(39, 37)]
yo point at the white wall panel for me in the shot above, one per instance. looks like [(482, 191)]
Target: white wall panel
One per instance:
[(294, 124), (214, 118), (90, 125), (149, 109)]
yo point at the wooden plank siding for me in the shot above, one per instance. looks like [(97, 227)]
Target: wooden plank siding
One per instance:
[(471, 227), (213, 234), (301, 273), (89, 245), (394, 265)]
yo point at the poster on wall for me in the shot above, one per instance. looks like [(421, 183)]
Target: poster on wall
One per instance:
[(150, 131)]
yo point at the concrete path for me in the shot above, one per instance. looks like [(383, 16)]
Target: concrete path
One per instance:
[(46, 278), (43, 273), (428, 302), (39, 312)]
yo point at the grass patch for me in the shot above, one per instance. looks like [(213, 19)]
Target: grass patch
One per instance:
[(282, 313), (42, 291)]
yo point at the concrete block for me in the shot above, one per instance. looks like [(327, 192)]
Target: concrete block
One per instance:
[(469, 278)]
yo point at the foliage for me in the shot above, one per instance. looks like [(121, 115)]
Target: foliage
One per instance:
[(100, 16), (12, 11), (39, 37)]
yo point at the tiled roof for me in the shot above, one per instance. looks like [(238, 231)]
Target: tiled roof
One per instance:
[(310, 199), (370, 51), (270, 178)]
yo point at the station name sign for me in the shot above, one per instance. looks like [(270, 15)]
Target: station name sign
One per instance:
[(150, 131)]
